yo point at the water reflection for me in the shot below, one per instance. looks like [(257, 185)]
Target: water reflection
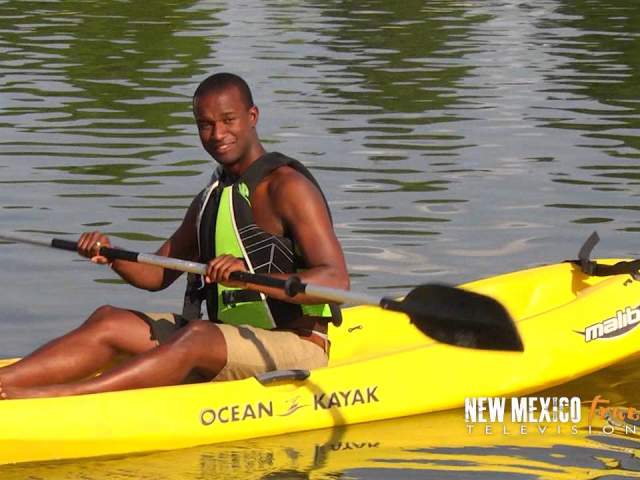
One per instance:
[(123, 63), (99, 85), (595, 88)]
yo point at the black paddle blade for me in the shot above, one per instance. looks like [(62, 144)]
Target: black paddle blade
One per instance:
[(459, 317)]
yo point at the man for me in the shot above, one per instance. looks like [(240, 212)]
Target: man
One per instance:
[(264, 213)]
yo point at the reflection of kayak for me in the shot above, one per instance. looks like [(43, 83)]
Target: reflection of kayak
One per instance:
[(381, 367)]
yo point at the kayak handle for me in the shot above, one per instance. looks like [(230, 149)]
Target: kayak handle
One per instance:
[(268, 378)]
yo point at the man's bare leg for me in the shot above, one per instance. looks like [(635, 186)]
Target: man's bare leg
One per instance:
[(200, 345), (108, 332)]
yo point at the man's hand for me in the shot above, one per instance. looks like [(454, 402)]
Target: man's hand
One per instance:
[(89, 246), (219, 269)]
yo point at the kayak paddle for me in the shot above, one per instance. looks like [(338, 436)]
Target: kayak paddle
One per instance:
[(447, 314)]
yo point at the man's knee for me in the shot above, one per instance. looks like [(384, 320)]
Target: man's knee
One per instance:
[(103, 313), (122, 329), (109, 319)]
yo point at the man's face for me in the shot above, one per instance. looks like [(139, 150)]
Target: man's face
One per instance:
[(226, 125)]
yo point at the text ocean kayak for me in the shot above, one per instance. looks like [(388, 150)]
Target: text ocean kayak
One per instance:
[(381, 367)]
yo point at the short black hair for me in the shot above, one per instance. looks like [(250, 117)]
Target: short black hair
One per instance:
[(221, 81)]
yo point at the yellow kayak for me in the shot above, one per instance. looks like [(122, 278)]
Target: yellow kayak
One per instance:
[(381, 367), (422, 446)]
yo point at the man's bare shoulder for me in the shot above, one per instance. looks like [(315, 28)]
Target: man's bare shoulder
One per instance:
[(295, 198), (286, 181)]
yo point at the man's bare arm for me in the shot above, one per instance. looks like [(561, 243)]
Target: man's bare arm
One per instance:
[(182, 244)]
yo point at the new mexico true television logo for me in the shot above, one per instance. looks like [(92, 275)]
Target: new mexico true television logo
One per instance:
[(541, 415)]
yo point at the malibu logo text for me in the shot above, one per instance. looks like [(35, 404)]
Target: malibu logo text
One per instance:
[(623, 322)]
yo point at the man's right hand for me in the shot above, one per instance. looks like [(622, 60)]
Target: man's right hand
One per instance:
[(219, 269), (89, 246)]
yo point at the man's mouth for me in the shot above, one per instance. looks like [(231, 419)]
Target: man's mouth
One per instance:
[(222, 148)]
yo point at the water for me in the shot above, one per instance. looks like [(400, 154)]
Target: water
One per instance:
[(455, 140)]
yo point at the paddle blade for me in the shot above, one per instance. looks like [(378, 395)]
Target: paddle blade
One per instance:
[(459, 317)]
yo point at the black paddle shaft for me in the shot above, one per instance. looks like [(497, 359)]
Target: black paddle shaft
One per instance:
[(110, 253)]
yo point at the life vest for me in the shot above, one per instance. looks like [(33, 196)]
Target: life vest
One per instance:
[(225, 225)]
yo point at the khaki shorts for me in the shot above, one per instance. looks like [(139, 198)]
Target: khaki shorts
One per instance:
[(250, 350)]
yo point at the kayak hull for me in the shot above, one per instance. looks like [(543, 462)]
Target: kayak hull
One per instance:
[(427, 445), (381, 367)]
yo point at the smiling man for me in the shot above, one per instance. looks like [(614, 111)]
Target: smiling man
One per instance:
[(263, 212)]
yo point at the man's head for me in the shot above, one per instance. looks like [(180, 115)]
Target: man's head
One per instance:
[(227, 117), (221, 81)]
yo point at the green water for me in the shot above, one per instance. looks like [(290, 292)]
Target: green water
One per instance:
[(454, 140)]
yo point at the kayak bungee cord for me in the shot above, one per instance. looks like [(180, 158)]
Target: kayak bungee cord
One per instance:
[(447, 314)]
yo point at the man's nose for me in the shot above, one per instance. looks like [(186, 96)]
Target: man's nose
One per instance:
[(219, 131)]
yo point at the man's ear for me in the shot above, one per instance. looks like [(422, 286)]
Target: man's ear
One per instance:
[(254, 114)]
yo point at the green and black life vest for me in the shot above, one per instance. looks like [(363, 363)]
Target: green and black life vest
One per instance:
[(226, 226)]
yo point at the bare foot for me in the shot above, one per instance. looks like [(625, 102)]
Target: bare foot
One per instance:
[(11, 393)]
